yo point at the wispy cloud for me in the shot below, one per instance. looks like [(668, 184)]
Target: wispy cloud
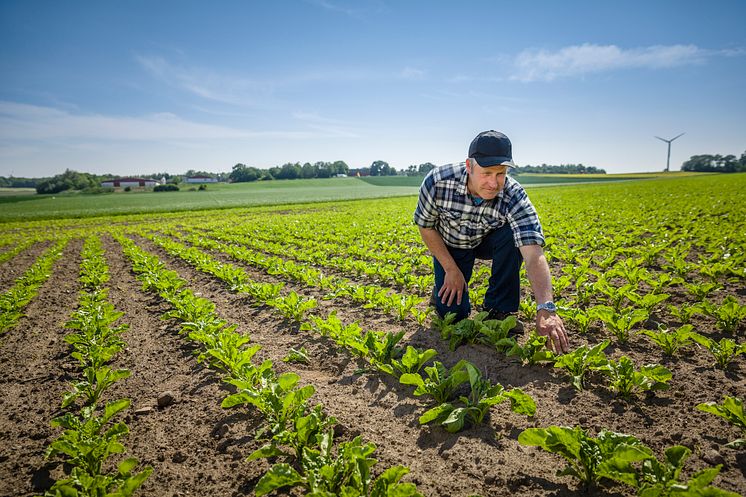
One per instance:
[(412, 73), (578, 60), (243, 91), (23, 122), (206, 83), (330, 127)]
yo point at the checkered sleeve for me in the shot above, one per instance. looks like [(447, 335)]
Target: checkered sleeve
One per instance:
[(523, 219), (426, 213)]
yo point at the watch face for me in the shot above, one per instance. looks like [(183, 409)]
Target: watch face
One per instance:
[(549, 306)]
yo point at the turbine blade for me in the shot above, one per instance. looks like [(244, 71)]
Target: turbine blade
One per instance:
[(662, 139), (672, 139)]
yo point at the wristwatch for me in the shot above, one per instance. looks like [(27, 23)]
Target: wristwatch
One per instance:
[(547, 306)]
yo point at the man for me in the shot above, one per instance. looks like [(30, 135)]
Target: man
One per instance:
[(474, 210)]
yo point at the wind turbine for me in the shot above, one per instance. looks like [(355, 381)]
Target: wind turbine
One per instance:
[(668, 159)]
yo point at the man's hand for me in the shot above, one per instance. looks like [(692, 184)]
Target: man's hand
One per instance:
[(454, 286), (549, 324)]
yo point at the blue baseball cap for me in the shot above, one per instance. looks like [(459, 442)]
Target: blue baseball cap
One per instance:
[(492, 148)]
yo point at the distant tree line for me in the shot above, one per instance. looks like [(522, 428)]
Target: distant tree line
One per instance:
[(86, 182), (70, 180), (561, 169), (242, 173), (294, 170), (420, 170), (715, 163), (13, 182)]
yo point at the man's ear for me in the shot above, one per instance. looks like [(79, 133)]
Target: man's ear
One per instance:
[(468, 165)]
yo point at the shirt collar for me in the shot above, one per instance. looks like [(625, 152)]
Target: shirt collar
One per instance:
[(462, 189)]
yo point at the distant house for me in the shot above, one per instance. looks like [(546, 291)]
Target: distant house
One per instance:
[(201, 179), (131, 182)]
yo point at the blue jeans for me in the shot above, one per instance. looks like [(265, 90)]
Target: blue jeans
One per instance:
[(504, 291)]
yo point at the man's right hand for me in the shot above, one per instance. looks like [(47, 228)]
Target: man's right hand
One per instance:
[(453, 287)]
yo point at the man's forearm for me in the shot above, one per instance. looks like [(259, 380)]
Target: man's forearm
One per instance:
[(537, 271)]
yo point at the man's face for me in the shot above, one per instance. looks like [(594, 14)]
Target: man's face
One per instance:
[(485, 182)]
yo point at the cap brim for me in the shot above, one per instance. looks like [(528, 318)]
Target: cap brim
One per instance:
[(495, 161)]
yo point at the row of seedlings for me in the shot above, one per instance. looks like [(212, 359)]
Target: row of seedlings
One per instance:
[(17, 249), (625, 459), (26, 287), (91, 434), (369, 296), (402, 273), (300, 434), (381, 350)]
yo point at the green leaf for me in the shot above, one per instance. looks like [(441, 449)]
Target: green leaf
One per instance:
[(131, 484), (411, 379), (280, 475), (235, 400), (114, 407), (436, 412), (126, 466), (455, 420), (265, 452), (521, 402), (737, 444), (387, 485)]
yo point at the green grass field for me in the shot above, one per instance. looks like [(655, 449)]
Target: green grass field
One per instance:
[(28, 207), (24, 206), (536, 179)]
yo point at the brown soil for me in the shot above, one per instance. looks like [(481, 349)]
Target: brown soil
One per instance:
[(198, 448), (15, 268)]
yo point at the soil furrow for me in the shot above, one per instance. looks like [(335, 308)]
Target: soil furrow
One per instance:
[(176, 422), (15, 267), (35, 374)]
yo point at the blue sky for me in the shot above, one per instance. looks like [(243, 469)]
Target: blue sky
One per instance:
[(140, 86)]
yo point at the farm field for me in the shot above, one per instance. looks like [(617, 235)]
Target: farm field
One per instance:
[(217, 196), (301, 336), (20, 204), (533, 179)]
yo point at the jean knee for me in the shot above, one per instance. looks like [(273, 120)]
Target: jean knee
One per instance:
[(461, 310)]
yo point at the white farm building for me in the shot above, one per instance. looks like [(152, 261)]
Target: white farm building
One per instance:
[(201, 179), (131, 182)]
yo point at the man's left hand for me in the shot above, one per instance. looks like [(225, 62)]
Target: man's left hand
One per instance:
[(549, 324)]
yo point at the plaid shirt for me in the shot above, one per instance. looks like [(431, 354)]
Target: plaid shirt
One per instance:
[(446, 205)]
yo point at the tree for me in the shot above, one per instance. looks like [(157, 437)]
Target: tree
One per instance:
[(381, 168), (242, 174), (309, 171), (192, 173), (290, 171), (425, 168), (715, 163), (69, 180), (323, 170), (341, 167)]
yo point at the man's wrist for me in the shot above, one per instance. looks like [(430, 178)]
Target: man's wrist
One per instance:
[(548, 306)]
